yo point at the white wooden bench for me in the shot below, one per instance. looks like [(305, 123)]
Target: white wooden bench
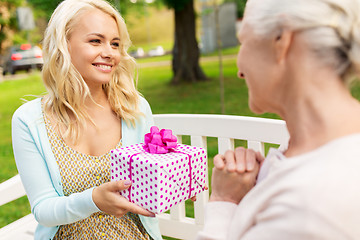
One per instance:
[(256, 131)]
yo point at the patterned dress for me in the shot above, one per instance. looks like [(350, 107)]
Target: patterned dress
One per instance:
[(79, 172)]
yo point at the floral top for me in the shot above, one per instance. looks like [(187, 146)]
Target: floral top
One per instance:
[(80, 172)]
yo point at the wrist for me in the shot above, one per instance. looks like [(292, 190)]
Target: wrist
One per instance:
[(216, 198)]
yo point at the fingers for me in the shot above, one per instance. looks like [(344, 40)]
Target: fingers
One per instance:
[(108, 199), (125, 205), (260, 158), (250, 160), (117, 186), (219, 161), (132, 207), (240, 154), (240, 160), (230, 161)]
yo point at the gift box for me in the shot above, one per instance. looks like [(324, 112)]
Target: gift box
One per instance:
[(162, 175)]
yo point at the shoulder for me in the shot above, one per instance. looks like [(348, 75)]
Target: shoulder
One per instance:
[(30, 108), (28, 111), (328, 175), (144, 106)]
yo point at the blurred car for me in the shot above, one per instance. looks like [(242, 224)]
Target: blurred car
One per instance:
[(158, 51), (138, 53), (22, 57)]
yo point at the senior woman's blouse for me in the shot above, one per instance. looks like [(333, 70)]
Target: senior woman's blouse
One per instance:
[(311, 196)]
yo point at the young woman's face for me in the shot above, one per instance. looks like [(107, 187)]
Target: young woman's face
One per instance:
[(94, 47)]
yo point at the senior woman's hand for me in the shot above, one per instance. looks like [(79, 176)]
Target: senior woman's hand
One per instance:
[(234, 174)]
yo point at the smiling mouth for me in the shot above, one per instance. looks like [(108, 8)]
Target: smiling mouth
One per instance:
[(104, 67)]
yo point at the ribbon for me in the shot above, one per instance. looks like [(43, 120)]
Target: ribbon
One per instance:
[(159, 142), (172, 150), (130, 173), (190, 169)]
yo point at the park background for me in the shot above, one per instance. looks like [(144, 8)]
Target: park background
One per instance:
[(150, 24)]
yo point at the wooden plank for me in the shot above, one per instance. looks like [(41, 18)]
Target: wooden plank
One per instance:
[(11, 189), (185, 229), (22, 229), (237, 127), (225, 144), (199, 126)]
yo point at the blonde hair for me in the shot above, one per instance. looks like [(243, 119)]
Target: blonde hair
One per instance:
[(331, 28), (67, 91)]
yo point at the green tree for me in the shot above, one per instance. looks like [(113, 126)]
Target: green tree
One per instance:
[(44, 8), (186, 53), (48, 6), (7, 19), (240, 6)]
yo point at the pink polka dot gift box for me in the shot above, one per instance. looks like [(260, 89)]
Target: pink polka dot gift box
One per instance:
[(163, 172)]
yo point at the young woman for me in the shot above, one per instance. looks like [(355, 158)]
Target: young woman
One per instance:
[(297, 57), (62, 141)]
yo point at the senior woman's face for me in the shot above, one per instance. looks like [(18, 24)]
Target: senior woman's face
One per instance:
[(256, 65)]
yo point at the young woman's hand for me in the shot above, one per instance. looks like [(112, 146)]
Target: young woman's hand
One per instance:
[(108, 199), (234, 174)]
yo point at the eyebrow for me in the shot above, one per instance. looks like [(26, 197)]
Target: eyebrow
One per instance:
[(102, 36)]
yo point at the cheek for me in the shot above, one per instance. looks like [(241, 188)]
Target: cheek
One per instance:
[(82, 57), (117, 58), (239, 59)]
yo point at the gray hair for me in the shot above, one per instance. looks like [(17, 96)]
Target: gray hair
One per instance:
[(331, 28)]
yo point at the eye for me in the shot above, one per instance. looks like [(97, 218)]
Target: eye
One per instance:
[(115, 44), (95, 41)]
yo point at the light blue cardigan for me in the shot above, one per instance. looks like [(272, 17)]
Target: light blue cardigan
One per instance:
[(40, 174)]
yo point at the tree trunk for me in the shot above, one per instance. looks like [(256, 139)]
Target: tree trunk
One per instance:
[(185, 63)]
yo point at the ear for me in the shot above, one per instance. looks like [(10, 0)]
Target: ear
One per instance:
[(282, 44)]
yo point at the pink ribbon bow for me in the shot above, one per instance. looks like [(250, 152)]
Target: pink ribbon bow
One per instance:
[(159, 142)]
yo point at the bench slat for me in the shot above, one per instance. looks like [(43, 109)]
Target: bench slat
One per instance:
[(22, 229), (256, 131), (11, 189)]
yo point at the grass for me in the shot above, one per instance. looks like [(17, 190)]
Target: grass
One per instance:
[(200, 97), (168, 57), (11, 93)]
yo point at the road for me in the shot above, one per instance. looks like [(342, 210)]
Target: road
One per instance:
[(202, 59), (17, 76)]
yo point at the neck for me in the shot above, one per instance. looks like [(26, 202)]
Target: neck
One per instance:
[(98, 104), (320, 112), (98, 96)]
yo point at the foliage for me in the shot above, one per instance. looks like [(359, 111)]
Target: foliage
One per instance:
[(7, 19), (124, 6), (153, 84), (45, 6), (240, 4), (177, 5)]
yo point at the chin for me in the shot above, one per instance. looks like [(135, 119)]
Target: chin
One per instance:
[(255, 109)]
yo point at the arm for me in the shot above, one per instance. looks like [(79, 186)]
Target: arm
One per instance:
[(233, 177), (218, 217), (107, 196), (47, 204)]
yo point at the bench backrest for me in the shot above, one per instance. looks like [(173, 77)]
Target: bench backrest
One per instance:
[(256, 131)]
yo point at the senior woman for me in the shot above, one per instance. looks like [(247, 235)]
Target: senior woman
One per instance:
[(298, 58)]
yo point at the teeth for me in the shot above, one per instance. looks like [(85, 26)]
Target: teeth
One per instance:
[(105, 67)]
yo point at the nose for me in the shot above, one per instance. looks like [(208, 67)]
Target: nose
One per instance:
[(106, 51), (239, 65)]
